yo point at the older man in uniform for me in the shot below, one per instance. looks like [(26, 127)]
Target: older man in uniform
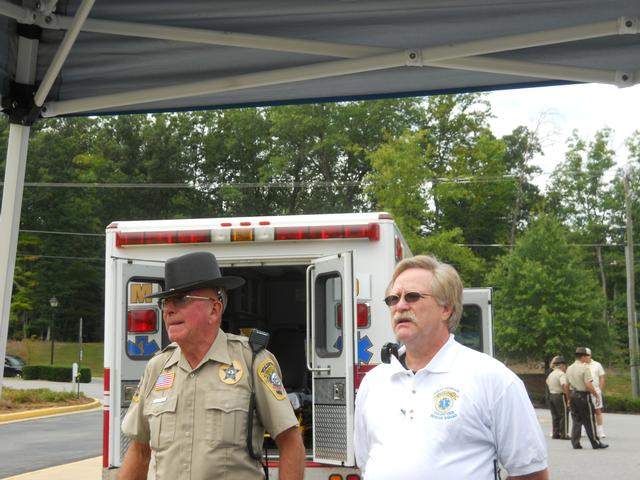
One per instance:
[(582, 410), (193, 415), (559, 398)]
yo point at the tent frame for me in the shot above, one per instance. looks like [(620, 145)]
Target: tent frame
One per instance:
[(26, 106)]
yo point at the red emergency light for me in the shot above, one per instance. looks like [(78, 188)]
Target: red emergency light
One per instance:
[(162, 238), (363, 315), (142, 321), (246, 233), (317, 232)]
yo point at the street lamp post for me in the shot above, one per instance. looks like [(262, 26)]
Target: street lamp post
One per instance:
[(53, 301)]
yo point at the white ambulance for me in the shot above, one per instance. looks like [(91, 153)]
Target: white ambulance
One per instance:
[(316, 283)]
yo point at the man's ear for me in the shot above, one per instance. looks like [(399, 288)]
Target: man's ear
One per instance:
[(447, 311)]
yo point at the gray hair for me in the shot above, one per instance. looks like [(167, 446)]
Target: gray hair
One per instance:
[(446, 286)]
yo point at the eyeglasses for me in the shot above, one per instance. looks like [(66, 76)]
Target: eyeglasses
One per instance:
[(409, 297), (182, 300)]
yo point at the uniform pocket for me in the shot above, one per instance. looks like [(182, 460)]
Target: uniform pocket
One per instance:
[(162, 421), (226, 416)]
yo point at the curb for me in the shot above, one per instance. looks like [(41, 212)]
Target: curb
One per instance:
[(43, 412)]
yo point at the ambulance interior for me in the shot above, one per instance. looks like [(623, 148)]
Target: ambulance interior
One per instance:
[(273, 299)]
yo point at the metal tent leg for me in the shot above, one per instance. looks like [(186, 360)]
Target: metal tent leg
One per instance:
[(10, 223), (15, 167)]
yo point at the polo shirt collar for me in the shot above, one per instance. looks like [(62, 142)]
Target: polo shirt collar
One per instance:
[(440, 363), (445, 358)]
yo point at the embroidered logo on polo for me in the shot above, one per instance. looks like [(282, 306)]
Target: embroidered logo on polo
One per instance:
[(164, 381), (268, 373), (230, 374), (444, 403)]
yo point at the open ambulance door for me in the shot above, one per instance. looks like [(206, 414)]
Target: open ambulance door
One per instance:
[(330, 356), (138, 334)]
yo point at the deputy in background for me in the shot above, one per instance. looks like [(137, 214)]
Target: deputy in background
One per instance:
[(559, 398), (582, 409), (204, 403)]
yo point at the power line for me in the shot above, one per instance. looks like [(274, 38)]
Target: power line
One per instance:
[(50, 232), (58, 257)]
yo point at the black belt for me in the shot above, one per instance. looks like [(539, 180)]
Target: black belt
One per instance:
[(582, 394), (556, 394)]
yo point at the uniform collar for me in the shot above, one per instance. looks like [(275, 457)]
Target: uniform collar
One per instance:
[(440, 363), (218, 352), (444, 359)]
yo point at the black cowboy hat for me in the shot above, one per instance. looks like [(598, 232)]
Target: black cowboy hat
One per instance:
[(194, 270)]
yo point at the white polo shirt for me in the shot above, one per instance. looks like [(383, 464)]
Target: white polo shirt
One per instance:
[(451, 419)]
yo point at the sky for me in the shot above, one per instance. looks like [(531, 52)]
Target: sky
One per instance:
[(557, 111)]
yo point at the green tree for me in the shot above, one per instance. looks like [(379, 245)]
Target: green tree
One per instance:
[(546, 302), (581, 195)]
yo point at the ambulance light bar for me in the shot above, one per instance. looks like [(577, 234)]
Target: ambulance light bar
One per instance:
[(245, 233)]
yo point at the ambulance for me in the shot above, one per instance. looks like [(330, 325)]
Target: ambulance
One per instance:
[(315, 283)]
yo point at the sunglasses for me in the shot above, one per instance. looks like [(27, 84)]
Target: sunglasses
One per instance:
[(182, 300), (409, 297)]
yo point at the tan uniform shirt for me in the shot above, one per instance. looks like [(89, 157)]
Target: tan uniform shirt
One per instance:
[(195, 420), (556, 380), (578, 375)]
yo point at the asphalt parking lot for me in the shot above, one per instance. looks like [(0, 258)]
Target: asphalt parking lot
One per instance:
[(621, 461)]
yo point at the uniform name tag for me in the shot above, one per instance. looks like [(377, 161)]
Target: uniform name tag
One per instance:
[(159, 400)]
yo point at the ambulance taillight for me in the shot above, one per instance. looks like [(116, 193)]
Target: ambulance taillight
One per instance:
[(142, 321), (363, 315)]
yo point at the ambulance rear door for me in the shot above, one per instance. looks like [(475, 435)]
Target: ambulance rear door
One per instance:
[(139, 332), (330, 356)]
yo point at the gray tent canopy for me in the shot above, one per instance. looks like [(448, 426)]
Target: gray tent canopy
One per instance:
[(113, 56), (144, 55)]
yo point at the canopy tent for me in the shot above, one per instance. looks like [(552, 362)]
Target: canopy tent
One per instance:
[(114, 56)]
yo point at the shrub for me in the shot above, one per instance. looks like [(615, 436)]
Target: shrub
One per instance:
[(620, 403), (54, 373)]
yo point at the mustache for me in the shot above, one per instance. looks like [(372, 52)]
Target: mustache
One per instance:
[(404, 316)]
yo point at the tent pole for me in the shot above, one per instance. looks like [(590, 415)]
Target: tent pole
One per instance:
[(15, 167)]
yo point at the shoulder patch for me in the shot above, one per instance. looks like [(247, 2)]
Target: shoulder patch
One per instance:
[(269, 375), (136, 395)]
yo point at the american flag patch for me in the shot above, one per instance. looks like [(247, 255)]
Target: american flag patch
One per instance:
[(164, 381)]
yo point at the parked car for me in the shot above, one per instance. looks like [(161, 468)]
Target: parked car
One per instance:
[(13, 366)]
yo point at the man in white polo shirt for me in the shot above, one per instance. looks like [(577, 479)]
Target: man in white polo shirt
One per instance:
[(439, 409)]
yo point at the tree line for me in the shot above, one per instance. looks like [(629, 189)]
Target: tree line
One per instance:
[(555, 257)]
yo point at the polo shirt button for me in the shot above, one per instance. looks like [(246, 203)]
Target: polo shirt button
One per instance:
[(187, 434), (413, 391), (192, 375)]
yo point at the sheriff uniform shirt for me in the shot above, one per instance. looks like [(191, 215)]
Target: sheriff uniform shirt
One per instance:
[(195, 420)]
